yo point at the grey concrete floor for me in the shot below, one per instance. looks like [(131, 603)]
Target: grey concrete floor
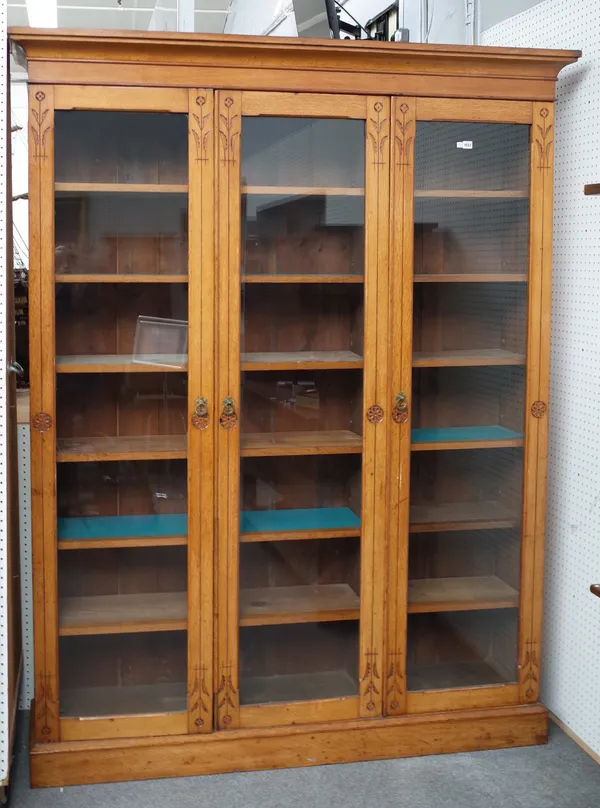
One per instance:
[(559, 775)]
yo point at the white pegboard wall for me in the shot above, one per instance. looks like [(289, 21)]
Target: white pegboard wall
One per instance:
[(4, 263), (27, 679), (571, 654)]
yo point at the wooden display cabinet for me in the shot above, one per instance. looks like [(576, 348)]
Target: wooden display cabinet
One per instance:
[(289, 390)]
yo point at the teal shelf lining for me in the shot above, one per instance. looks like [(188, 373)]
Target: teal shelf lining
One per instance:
[(298, 519), (463, 433), (122, 527), (112, 527)]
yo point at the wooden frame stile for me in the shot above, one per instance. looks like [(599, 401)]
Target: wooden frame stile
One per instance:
[(375, 435), (228, 114), (400, 381), (201, 428), (536, 398), (46, 721)]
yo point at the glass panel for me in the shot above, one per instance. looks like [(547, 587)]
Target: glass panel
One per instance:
[(121, 147), (298, 662), (121, 404), (111, 326), (129, 499), (461, 649), (469, 360), (123, 674), (107, 222), (301, 414)]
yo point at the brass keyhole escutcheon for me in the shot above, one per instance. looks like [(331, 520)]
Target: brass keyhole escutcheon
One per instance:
[(200, 418), (400, 411), (228, 419)]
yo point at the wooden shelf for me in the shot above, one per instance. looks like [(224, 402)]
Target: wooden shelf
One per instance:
[(468, 194), (303, 278), (482, 357), (119, 188), (464, 437), (122, 614), (276, 605), (297, 687), (281, 444), (460, 594), (135, 447), (138, 541), (120, 363), (113, 278), (299, 535), (300, 190), (301, 360), (91, 702), (452, 675), (482, 277), (487, 515)]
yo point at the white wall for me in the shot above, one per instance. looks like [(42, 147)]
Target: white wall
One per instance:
[(447, 22), (251, 17), (571, 653), (492, 12)]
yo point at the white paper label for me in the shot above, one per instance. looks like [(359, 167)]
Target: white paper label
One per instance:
[(464, 144)]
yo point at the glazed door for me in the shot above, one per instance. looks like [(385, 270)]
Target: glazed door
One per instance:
[(471, 196), (122, 410), (303, 309)]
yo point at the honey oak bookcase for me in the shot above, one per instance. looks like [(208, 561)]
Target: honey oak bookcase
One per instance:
[(289, 307)]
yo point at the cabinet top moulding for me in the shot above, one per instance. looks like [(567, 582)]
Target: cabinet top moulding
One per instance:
[(160, 59)]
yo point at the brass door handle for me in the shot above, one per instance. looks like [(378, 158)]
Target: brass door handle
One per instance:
[(200, 416), (229, 418), (400, 411)]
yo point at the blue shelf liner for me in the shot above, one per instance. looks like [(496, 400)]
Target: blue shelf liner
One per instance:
[(112, 527), (463, 433), (122, 527), (298, 519)]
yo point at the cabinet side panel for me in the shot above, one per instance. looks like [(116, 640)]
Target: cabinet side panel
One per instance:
[(227, 162), (400, 379), (536, 430), (41, 335), (200, 434)]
